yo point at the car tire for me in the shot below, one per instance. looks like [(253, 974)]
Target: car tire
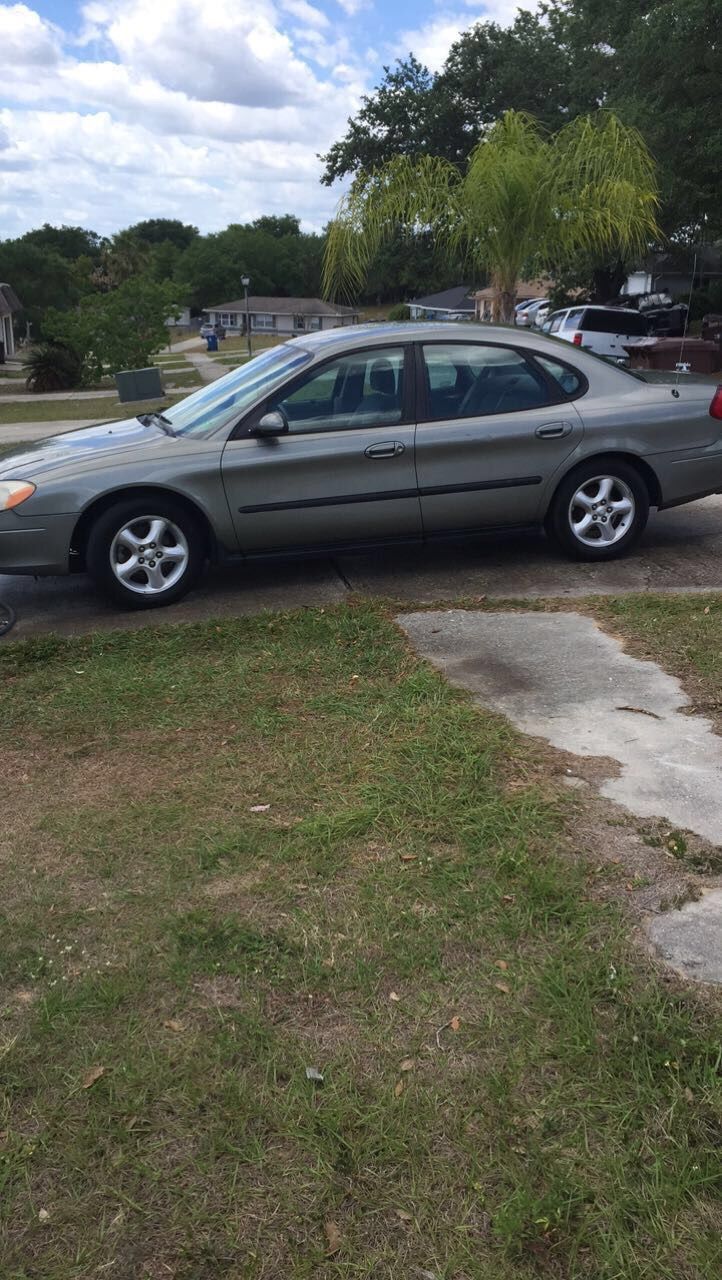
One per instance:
[(145, 553), (600, 510)]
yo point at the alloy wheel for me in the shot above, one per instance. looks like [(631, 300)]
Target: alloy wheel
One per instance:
[(601, 511), (149, 554)]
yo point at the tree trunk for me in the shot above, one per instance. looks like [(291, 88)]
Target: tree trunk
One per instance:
[(507, 302), (607, 281)]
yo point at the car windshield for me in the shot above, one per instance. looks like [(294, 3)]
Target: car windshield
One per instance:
[(203, 412)]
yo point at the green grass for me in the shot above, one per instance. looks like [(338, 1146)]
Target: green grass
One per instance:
[(100, 410), (205, 954)]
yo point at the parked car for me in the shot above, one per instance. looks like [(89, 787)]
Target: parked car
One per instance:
[(540, 315), (603, 330), (350, 437), (524, 316)]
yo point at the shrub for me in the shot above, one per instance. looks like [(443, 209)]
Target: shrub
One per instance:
[(53, 366), (400, 312)]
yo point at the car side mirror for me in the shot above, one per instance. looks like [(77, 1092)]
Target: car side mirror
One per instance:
[(271, 424)]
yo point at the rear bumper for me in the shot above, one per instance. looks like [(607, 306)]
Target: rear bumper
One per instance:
[(35, 544)]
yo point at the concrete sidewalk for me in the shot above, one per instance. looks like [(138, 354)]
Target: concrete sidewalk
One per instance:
[(19, 432)]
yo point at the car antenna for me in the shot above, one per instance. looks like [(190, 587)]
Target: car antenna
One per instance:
[(675, 392)]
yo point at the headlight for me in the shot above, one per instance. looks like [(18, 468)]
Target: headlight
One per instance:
[(13, 492)]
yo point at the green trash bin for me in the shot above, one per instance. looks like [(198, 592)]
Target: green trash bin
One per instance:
[(139, 384)]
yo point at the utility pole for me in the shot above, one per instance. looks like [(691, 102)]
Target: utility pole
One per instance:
[(245, 281)]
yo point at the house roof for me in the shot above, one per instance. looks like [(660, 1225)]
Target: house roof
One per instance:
[(524, 289), (285, 306), (459, 298), (9, 301)]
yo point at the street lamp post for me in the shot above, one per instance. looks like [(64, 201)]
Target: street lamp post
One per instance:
[(245, 281)]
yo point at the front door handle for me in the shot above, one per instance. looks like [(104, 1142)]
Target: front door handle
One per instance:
[(553, 430), (389, 449)]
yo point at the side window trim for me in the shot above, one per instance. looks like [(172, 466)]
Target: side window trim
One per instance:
[(556, 395), (245, 424)]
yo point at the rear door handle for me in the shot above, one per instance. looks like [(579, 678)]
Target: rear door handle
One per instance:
[(553, 430), (389, 449)]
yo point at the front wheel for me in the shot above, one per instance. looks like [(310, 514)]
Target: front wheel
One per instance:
[(599, 511), (146, 552)]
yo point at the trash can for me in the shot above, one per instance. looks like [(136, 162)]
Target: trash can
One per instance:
[(212, 342), (139, 384)]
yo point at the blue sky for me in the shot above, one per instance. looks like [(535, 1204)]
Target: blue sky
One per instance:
[(117, 110)]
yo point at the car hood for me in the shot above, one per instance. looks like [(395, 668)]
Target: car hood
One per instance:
[(88, 443)]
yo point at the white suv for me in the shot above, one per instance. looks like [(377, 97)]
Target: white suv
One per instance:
[(604, 330)]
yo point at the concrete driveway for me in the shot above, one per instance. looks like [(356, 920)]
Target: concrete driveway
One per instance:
[(681, 551)]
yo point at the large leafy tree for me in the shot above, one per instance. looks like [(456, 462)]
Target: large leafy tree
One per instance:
[(525, 197), (658, 63), (70, 243), (161, 230), (119, 329), (490, 69)]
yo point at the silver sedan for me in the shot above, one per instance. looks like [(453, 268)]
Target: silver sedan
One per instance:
[(360, 436)]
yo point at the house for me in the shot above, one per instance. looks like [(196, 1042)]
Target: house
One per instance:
[(9, 304), (180, 319), (677, 271), (452, 304), (486, 301), (281, 315)]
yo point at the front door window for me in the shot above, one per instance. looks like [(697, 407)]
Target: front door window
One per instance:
[(361, 390)]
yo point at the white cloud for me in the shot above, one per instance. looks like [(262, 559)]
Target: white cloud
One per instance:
[(25, 38), (431, 41), (172, 109)]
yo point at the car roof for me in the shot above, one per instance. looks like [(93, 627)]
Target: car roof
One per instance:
[(385, 334)]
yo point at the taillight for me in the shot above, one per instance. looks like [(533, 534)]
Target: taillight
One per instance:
[(577, 339), (715, 408)]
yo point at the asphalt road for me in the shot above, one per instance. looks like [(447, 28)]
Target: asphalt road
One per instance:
[(681, 551)]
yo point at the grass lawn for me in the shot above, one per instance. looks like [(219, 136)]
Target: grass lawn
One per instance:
[(182, 378), (68, 410), (237, 850)]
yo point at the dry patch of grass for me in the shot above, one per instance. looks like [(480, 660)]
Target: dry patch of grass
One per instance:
[(236, 850)]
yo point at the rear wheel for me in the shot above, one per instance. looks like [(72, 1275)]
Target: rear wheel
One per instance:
[(600, 510), (146, 552)]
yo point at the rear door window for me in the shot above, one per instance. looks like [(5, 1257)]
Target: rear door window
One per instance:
[(470, 380)]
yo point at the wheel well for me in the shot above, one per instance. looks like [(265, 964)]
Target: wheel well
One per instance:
[(645, 471), (81, 532)]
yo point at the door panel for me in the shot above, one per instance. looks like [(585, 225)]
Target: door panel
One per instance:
[(488, 464), (344, 472)]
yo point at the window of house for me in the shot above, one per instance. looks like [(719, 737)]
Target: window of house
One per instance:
[(473, 380), (365, 389), (262, 320), (314, 322)]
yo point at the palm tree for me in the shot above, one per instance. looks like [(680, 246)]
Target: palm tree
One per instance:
[(527, 198)]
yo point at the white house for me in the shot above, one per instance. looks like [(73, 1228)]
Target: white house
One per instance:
[(9, 304), (281, 315)]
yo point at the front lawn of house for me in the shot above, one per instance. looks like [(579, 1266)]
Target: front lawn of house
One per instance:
[(240, 852)]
